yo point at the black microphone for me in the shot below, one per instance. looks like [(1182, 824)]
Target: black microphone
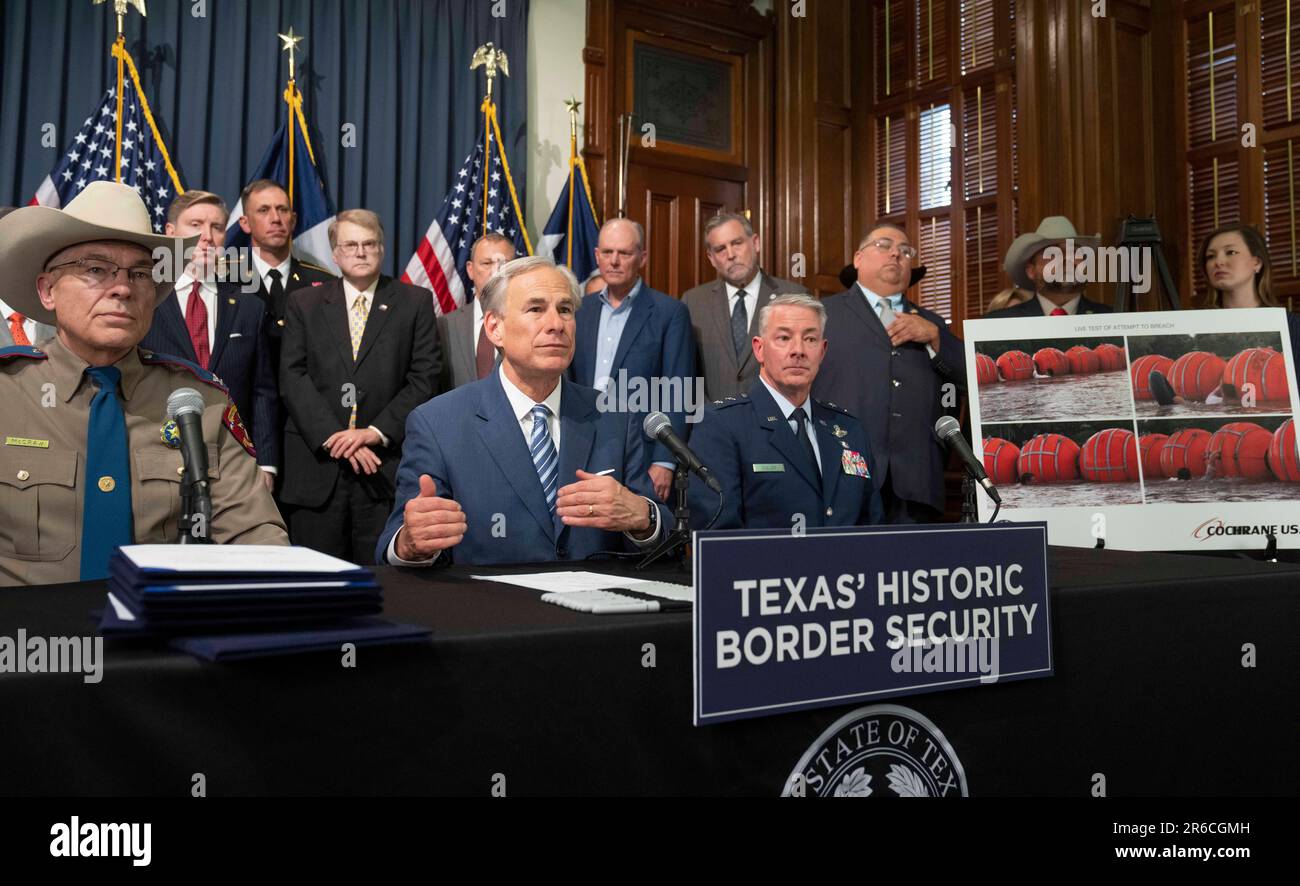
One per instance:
[(658, 426), (948, 430), (185, 407)]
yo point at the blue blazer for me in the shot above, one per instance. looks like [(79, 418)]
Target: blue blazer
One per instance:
[(657, 342), (896, 393), (767, 475), (468, 440), (240, 358)]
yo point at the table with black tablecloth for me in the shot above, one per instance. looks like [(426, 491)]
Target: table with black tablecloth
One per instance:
[(1150, 690)]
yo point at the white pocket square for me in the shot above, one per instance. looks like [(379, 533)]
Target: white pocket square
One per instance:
[(236, 335)]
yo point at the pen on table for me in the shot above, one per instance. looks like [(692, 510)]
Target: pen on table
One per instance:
[(606, 472)]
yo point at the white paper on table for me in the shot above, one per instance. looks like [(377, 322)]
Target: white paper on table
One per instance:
[(121, 610), (248, 559), (569, 582)]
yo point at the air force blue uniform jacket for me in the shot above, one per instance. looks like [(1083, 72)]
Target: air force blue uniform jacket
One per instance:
[(767, 474)]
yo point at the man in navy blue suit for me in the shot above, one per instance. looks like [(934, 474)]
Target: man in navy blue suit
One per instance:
[(785, 460), (633, 337), (521, 466), (219, 326), (897, 369)]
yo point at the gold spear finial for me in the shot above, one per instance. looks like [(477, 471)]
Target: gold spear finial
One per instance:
[(494, 60), (120, 7), (572, 104), (290, 41)]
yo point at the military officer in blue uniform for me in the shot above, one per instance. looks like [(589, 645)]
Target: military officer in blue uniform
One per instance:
[(785, 460), (88, 460)]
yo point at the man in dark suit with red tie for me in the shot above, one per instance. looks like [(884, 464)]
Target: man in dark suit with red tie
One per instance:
[(1031, 266), (359, 354), (467, 354), (218, 326)]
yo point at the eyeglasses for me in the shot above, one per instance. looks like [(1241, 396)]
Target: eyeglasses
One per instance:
[(885, 244), (352, 247), (101, 273)]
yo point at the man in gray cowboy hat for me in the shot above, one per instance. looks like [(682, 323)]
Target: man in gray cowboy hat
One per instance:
[(1034, 271), (89, 460)]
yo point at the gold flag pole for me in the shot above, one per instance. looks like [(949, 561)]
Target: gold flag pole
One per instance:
[(491, 60), (120, 8), (291, 41), (572, 104)]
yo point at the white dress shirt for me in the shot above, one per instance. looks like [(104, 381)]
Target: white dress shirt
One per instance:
[(264, 270), (751, 299), (29, 325), (207, 294), (1071, 307)]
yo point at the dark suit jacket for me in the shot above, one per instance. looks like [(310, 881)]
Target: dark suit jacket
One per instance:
[(456, 334), (657, 343), (724, 375), (767, 475), (396, 370), (469, 441), (1032, 308), (240, 358), (895, 392)]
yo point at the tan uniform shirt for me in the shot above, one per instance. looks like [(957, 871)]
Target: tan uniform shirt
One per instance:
[(44, 413)]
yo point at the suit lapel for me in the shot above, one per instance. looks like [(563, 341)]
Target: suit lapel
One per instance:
[(720, 317), (859, 305), (227, 305), (334, 310), (765, 292), (380, 308), (463, 341), (642, 307), (498, 428), (588, 332), (577, 436), (174, 327), (829, 447), (782, 436)]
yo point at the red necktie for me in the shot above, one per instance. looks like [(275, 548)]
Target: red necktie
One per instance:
[(196, 320), (16, 329), (485, 355), (1058, 312)]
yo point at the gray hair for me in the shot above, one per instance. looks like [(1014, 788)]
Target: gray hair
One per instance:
[(723, 218), (493, 296), (636, 226), (792, 300)]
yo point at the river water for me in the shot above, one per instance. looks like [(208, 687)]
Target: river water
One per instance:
[(1070, 495), (1069, 397)]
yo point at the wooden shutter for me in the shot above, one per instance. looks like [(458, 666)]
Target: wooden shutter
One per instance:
[(977, 20), (1211, 88), (1279, 73), (935, 245), (1282, 221), (983, 258), (979, 143), (1213, 197), (931, 17), (890, 31), (891, 164), (935, 150)]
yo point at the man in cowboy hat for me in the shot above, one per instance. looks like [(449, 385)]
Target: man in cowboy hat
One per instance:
[(1034, 271), (89, 460)]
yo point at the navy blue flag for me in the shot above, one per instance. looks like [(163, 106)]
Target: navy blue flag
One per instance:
[(314, 209), (571, 234), (440, 259), (92, 156)]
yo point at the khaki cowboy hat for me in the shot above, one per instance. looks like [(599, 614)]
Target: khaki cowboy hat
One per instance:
[(31, 235), (1053, 229)]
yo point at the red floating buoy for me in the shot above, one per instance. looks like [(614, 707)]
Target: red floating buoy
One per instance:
[(1183, 455), (1015, 366), (1000, 458), (1151, 445), (1196, 374), (1109, 456), (1140, 373), (1239, 449), (1083, 361), (1111, 357), (1257, 371), (1282, 459), (1051, 361), (1049, 458), (986, 371)]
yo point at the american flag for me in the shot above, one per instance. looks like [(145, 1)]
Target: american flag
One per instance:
[(91, 157), (439, 260)]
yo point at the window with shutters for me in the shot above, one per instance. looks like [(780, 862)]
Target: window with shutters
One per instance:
[(943, 145), (1240, 67)]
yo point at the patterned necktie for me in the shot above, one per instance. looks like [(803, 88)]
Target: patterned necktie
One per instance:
[(740, 326), (485, 355), (356, 328), (106, 510), (196, 321), (544, 457), (1059, 312), (16, 329), (800, 418), (886, 312)]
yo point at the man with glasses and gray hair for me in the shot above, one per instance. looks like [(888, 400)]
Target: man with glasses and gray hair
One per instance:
[(359, 354), (522, 466), (897, 368), (785, 460), (90, 460)]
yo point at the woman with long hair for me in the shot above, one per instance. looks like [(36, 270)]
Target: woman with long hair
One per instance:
[(1235, 261)]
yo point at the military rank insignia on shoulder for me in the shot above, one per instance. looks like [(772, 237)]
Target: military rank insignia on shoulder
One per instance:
[(829, 405), (27, 351), (149, 358), (230, 418)]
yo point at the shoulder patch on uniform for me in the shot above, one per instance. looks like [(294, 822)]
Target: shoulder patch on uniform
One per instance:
[(728, 402), (182, 365), (22, 351), (307, 264), (230, 418), (829, 405)]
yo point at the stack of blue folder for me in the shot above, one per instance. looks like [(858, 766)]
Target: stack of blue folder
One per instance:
[(242, 601)]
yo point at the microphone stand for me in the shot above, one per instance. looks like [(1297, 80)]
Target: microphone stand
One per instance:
[(969, 507), (195, 500), (680, 535)]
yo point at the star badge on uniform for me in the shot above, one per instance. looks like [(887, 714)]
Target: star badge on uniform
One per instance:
[(171, 435)]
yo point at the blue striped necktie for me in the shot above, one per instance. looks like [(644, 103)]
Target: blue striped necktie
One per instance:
[(544, 457), (106, 511)]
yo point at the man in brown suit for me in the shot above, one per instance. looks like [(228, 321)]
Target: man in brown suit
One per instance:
[(89, 462), (724, 313)]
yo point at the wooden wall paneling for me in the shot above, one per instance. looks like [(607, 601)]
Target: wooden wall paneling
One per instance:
[(600, 145), (1250, 102)]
